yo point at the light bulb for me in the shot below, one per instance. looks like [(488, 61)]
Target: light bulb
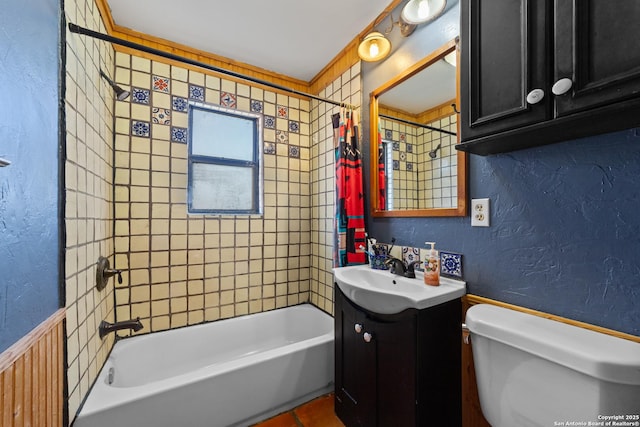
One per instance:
[(423, 9), (374, 50)]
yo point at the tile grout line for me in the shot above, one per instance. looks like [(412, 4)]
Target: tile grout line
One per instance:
[(296, 419)]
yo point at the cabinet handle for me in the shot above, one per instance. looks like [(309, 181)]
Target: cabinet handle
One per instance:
[(358, 328), (535, 96), (562, 86), (367, 337)]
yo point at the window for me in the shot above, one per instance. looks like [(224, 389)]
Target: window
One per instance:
[(225, 170)]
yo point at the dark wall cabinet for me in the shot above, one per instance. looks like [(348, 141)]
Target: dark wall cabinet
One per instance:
[(398, 370), (535, 72)]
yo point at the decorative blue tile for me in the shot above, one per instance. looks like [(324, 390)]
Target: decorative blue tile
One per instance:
[(450, 264), (179, 134), (409, 148), (395, 146), (228, 100), (409, 166), (282, 137), (294, 126), (196, 92), (140, 96), (269, 148), (180, 104), (294, 151), (256, 106), (139, 128), (160, 84), (161, 116), (269, 122), (388, 134), (396, 165), (410, 255)]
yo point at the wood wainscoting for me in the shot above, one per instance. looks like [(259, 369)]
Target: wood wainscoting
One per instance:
[(32, 377), (471, 411)]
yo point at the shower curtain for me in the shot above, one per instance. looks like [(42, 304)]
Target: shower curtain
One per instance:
[(350, 227), (382, 179)]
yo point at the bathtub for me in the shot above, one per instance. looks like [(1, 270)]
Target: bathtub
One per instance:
[(232, 372)]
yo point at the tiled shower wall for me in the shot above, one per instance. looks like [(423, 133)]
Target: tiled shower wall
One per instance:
[(439, 175), (88, 192), (402, 137), (348, 89), (183, 269), (419, 181)]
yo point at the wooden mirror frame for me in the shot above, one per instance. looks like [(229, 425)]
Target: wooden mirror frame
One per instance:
[(462, 158)]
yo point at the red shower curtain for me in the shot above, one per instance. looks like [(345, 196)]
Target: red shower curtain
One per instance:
[(382, 181), (350, 226)]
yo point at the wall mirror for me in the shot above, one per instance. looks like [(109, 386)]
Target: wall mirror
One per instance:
[(415, 168)]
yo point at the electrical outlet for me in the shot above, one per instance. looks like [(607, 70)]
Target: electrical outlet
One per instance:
[(480, 212)]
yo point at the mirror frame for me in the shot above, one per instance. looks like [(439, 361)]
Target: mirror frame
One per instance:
[(461, 209)]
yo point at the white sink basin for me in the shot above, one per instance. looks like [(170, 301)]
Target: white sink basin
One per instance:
[(386, 293)]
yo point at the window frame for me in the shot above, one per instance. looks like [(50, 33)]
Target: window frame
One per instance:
[(256, 164)]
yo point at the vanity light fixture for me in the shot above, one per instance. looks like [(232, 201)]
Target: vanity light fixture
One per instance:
[(374, 47), (121, 94), (4, 162), (421, 11)]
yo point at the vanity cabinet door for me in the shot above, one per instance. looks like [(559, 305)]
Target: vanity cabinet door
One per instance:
[(375, 381), (355, 376), (503, 61), (597, 48), (396, 371)]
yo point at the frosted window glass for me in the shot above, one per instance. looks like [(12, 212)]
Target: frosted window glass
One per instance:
[(221, 135), (221, 187)]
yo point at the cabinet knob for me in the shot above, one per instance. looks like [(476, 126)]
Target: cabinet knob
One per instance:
[(357, 327), (562, 86), (367, 337), (535, 96)]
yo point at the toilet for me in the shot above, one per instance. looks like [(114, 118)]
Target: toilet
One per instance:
[(535, 372)]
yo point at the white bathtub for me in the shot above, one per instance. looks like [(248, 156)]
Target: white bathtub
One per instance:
[(231, 372)]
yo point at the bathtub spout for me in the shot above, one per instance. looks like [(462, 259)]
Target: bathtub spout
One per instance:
[(106, 327)]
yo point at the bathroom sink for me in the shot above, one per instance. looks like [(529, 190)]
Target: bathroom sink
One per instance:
[(385, 293)]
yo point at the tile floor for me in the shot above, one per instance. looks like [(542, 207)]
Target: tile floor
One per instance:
[(316, 413)]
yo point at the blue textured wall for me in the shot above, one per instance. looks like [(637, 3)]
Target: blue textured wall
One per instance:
[(29, 254), (565, 218)]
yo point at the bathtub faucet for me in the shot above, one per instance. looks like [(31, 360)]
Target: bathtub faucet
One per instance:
[(106, 327)]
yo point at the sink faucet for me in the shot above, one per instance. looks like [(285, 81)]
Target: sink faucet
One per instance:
[(106, 327), (397, 266)]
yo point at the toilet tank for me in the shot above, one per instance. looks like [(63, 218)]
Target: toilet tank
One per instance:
[(533, 371)]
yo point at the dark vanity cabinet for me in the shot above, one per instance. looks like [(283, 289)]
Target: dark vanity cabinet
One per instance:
[(400, 369), (535, 72)]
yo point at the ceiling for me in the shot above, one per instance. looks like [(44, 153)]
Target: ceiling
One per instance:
[(295, 38), (431, 87)]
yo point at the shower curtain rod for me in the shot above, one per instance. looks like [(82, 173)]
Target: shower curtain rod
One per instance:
[(85, 31), (416, 124)]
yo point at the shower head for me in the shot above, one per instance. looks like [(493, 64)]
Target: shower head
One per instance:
[(121, 94), (434, 153)]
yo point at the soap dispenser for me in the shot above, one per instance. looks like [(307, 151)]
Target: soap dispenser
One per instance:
[(432, 266)]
